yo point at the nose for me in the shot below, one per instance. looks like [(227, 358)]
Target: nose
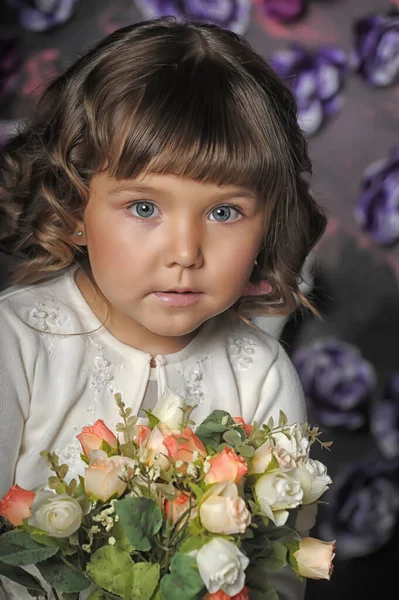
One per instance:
[(184, 244)]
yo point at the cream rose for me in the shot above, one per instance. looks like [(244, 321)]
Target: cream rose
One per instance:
[(278, 491), (58, 514), (264, 454), (223, 511), (104, 476), (292, 441), (153, 449), (221, 566), (314, 480), (315, 558)]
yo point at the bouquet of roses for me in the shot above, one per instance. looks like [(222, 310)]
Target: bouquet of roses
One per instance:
[(161, 512)]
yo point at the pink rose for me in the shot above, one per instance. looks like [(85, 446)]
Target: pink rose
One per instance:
[(15, 506), (226, 466), (247, 428), (105, 475), (181, 446), (92, 437)]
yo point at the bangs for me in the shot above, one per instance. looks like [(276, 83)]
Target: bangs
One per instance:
[(198, 119)]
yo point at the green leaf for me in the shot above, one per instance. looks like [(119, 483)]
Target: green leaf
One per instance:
[(232, 438), (113, 569), (22, 577), (152, 419), (70, 596), (17, 548), (292, 547), (210, 431), (141, 519), (157, 595), (61, 577), (277, 558), (145, 580), (184, 581), (259, 582), (110, 568)]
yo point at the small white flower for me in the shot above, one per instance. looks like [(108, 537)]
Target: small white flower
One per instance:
[(111, 541)]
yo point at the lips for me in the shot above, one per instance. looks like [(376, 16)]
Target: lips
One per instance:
[(178, 298)]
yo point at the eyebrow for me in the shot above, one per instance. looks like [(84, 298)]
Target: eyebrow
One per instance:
[(137, 187)]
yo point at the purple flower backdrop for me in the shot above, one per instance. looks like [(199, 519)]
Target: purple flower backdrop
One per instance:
[(342, 61)]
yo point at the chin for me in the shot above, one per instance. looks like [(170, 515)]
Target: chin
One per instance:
[(175, 329)]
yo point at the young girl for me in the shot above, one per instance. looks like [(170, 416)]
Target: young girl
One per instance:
[(155, 204)]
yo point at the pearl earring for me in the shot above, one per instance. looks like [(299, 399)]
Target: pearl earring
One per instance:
[(79, 233)]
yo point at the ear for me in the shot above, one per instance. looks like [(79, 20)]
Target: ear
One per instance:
[(79, 237)]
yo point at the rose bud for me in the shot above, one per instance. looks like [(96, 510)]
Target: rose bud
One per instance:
[(181, 446), (104, 477), (223, 511), (15, 506), (177, 507), (226, 466), (220, 595), (92, 437), (314, 558)]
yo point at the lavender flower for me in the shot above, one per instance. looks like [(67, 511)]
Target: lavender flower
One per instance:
[(230, 14), (337, 382), (362, 508), (41, 15), (10, 61), (377, 210), (385, 420), (317, 80), (376, 52), (284, 11)]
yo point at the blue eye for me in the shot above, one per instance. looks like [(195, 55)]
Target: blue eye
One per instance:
[(143, 209), (224, 214)]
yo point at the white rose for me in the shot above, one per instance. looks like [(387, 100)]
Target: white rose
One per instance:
[(278, 491), (264, 454), (221, 566), (315, 480), (58, 514), (169, 410), (223, 511), (292, 441)]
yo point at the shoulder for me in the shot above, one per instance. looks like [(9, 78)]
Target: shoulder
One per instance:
[(43, 307), (248, 346)]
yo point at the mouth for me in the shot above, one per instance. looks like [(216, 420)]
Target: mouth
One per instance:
[(178, 297)]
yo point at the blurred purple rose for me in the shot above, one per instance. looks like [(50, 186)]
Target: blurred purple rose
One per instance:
[(337, 381), (10, 62), (376, 48), (362, 508), (317, 80), (284, 11), (385, 420), (377, 210), (41, 15), (230, 14)]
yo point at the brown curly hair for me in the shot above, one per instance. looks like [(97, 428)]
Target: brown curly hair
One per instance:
[(162, 96)]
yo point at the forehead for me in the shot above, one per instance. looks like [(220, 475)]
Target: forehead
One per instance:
[(164, 184)]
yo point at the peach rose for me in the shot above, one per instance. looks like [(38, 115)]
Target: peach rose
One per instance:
[(104, 475), (247, 428), (223, 511), (315, 558), (226, 466), (92, 436), (175, 508), (263, 457), (220, 595), (181, 446), (16, 504), (142, 433)]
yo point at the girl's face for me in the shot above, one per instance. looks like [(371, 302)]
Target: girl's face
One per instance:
[(169, 253)]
